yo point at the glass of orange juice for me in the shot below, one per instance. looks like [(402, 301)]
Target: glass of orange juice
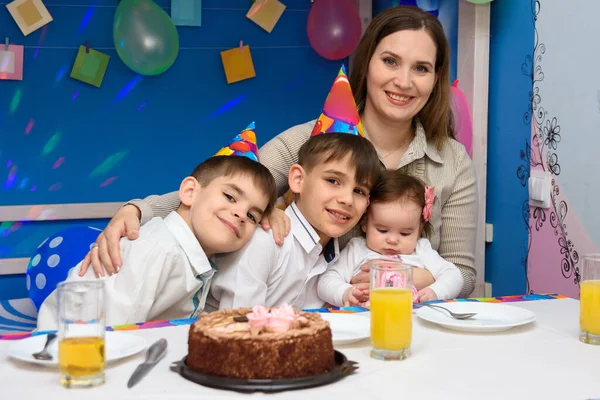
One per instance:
[(391, 309), (81, 328), (589, 297)]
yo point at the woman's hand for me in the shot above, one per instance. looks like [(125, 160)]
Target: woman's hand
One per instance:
[(363, 276), (278, 222), (106, 253)]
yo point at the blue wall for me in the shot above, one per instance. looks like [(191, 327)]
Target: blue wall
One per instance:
[(511, 41), (142, 133), (137, 135)]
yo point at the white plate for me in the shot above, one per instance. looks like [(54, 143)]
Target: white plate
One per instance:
[(347, 328), (491, 317), (118, 345)]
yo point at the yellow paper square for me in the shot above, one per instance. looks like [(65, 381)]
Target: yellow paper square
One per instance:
[(266, 13), (238, 64), (30, 15)]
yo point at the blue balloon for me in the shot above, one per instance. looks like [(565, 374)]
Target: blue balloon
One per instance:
[(51, 262)]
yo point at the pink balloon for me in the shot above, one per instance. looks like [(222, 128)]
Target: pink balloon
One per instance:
[(333, 28), (463, 124)]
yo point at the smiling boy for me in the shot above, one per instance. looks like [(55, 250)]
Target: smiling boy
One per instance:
[(331, 182)]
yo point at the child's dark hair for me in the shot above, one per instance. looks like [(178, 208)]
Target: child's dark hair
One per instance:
[(329, 147), (395, 185), (217, 166)]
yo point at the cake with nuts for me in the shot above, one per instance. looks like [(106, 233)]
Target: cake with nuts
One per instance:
[(260, 343)]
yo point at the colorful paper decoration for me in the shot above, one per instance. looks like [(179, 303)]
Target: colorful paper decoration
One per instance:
[(11, 62), (339, 112), (266, 13), (30, 15), (186, 12), (243, 144), (237, 63), (90, 66)]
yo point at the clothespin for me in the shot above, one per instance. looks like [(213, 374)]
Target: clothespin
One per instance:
[(87, 46), (241, 46), (6, 43)]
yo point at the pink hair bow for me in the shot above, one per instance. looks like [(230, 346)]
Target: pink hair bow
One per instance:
[(429, 198)]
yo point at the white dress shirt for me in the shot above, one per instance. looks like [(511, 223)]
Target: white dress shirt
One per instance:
[(165, 275), (334, 282), (263, 273)]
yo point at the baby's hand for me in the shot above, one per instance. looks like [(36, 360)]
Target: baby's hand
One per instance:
[(354, 295), (426, 294)]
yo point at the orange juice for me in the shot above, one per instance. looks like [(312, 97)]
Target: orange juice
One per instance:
[(81, 357), (391, 318), (589, 316)]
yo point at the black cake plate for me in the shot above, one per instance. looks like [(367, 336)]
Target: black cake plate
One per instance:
[(342, 368)]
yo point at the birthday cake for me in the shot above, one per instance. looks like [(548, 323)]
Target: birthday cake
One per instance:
[(260, 343)]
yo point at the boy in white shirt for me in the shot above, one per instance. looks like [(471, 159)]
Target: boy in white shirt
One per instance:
[(331, 182), (168, 269)]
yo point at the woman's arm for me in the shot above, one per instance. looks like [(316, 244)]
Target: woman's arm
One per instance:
[(156, 206), (459, 223), (281, 152)]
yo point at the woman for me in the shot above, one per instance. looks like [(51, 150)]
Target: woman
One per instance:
[(400, 81)]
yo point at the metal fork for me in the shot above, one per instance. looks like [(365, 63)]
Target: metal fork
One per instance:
[(452, 314), (44, 355)]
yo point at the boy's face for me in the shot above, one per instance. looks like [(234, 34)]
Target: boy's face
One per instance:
[(225, 213), (393, 228), (329, 197)]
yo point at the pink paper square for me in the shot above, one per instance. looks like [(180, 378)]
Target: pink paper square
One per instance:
[(16, 60)]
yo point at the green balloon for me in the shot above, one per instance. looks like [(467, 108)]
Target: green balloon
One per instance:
[(145, 37)]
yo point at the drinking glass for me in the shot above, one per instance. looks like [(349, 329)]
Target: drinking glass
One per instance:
[(589, 297), (391, 309), (81, 328)]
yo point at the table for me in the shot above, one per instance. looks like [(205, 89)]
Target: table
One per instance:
[(543, 360)]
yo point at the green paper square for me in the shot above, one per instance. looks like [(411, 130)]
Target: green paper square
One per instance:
[(90, 67)]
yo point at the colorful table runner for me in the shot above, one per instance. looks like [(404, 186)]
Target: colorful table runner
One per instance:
[(355, 309)]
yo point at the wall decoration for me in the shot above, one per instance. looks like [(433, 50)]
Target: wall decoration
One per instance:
[(237, 63), (145, 37), (266, 13), (30, 15), (11, 62), (90, 66), (186, 12), (333, 28)]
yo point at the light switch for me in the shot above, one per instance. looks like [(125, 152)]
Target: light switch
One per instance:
[(539, 189)]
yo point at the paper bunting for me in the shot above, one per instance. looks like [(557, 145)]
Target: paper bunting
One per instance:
[(266, 13), (90, 66), (237, 63), (11, 62), (243, 144), (339, 112), (186, 12), (30, 15)]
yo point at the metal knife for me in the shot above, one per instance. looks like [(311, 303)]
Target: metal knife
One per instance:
[(155, 353)]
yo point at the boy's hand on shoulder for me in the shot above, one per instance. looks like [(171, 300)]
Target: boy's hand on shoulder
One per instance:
[(426, 294), (279, 222)]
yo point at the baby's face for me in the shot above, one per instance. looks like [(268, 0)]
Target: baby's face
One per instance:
[(393, 228)]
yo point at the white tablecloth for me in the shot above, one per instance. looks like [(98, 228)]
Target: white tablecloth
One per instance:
[(543, 360)]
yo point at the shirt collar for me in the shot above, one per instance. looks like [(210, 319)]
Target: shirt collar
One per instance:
[(188, 242), (420, 146), (307, 236)]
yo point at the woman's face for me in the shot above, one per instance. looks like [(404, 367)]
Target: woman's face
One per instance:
[(401, 75)]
